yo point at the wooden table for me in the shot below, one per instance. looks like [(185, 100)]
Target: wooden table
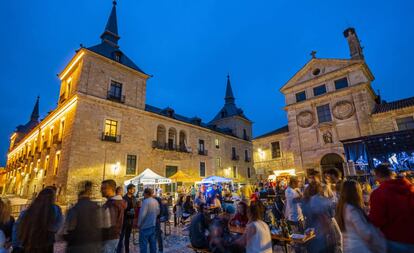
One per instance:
[(284, 240)]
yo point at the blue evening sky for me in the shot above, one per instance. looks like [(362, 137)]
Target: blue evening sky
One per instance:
[(190, 46)]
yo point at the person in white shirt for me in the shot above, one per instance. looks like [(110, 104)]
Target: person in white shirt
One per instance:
[(293, 209)]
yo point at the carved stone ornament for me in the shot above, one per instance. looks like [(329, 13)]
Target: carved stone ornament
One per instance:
[(305, 119), (343, 110), (327, 137)]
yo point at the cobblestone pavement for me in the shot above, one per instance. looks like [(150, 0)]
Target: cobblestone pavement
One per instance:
[(176, 242)]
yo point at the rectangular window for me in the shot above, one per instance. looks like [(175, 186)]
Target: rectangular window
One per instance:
[(50, 137), (300, 96), (233, 153), (217, 143), (61, 129), (218, 162), (202, 169), (324, 113), (201, 145), (317, 91), (111, 127), (405, 123), (56, 167), (246, 155), (46, 165), (245, 137), (341, 83), (276, 149), (249, 173), (131, 167), (115, 92), (234, 171)]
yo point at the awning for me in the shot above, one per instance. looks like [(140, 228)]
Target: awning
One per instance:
[(216, 179), (148, 177), (181, 176)]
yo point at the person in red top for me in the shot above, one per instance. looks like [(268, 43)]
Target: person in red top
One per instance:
[(392, 209), (240, 218)]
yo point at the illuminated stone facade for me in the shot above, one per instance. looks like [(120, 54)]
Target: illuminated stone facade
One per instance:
[(327, 101), (102, 128)]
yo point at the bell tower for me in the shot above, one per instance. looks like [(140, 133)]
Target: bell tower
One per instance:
[(355, 48)]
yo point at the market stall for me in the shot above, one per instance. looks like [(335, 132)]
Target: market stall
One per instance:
[(148, 177)]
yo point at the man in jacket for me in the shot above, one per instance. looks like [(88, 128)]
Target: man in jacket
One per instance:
[(129, 215), (82, 229), (113, 212), (147, 219), (392, 209)]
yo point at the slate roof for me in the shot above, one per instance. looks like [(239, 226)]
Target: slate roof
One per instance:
[(229, 109), (394, 105), (170, 113), (109, 47), (33, 122), (281, 130)]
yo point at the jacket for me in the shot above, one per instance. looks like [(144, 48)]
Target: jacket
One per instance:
[(83, 223), (392, 208), (148, 213), (360, 235), (113, 218)]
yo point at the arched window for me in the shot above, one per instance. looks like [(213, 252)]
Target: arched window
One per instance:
[(161, 135), (183, 141), (172, 138)]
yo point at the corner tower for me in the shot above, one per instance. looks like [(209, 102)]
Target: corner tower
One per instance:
[(231, 117), (104, 71)]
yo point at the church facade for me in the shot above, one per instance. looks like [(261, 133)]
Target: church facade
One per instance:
[(102, 129), (328, 101)]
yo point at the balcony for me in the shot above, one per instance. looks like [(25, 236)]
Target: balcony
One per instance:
[(171, 147), (111, 138), (235, 157), (202, 152), (113, 97), (247, 159)]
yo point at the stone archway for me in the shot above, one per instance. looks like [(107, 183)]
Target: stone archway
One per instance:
[(332, 160)]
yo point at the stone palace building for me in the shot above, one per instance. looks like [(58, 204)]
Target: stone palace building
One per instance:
[(102, 128), (328, 101)]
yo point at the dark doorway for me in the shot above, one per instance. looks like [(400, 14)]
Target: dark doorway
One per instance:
[(332, 160), (169, 171)]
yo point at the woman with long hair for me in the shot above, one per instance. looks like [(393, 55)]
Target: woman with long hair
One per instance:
[(358, 234), (257, 237), (318, 211), (39, 223), (6, 220)]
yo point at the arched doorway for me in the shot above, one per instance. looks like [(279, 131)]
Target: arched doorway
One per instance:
[(332, 160)]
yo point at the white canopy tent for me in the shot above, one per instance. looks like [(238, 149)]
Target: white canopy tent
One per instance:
[(215, 179), (148, 177)]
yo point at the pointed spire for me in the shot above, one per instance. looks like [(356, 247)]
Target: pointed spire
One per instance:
[(35, 114), (229, 98), (110, 34)]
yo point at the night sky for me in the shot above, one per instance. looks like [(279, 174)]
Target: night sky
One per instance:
[(189, 46)]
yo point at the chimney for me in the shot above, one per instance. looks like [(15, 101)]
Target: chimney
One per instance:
[(355, 48)]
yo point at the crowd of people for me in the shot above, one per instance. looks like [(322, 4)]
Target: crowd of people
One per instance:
[(87, 226), (345, 215)]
